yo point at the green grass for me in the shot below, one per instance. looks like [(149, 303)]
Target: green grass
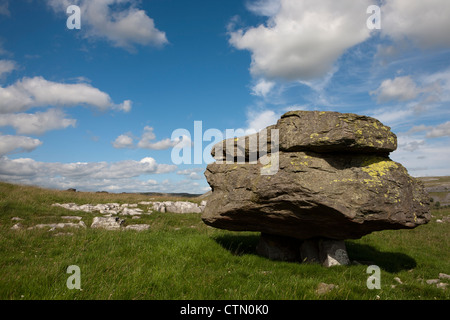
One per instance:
[(182, 258)]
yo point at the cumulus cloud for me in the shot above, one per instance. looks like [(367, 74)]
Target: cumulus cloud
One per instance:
[(399, 88), (421, 22), (192, 174), (258, 120), (147, 141), (123, 141), (37, 123), (38, 92), (264, 7), (6, 66), (440, 130), (15, 144), (118, 21), (302, 39), (262, 88), (423, 159)]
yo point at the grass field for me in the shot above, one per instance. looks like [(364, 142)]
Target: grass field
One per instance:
[(179, 257)]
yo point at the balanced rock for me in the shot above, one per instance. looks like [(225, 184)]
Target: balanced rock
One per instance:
[(331, 178)]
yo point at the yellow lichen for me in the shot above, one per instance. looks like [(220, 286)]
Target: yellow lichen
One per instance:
[(313, 135), (378, 168)]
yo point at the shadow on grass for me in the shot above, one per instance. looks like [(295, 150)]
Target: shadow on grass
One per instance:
[(392, 262), (239, 244)]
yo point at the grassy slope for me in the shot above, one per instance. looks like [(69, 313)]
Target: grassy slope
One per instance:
[(181, 258)]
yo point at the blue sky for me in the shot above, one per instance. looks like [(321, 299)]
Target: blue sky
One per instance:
[(95, 108)]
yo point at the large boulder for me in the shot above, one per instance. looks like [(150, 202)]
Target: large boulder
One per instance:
[(334, 180)]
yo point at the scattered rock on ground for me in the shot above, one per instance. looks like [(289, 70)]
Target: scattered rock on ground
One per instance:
[(138, 227), (324, 288), (178, 206), (17, 226), (108, 223), (54, 226), (444, 276), (399, 281)]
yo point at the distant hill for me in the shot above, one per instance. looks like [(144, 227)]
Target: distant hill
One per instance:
[(438, 188), (174, 194)]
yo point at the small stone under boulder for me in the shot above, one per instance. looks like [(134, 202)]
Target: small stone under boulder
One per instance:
[(327, 252)]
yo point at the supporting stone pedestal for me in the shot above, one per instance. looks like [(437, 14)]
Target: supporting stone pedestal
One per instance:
[(327, 252)]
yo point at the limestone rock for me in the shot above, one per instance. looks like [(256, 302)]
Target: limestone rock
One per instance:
[(53, 226), (334, 181), (177, 207), (314, 131), (324, 288), (334, 132), (108, 223), (138, 227), (17, 226)]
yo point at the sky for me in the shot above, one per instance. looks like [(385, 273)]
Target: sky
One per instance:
[(111, 105)]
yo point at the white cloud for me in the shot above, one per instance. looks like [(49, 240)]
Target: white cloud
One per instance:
[(423, 22), (14, 144), (6, 66), (118, 21), (262, 88), (258, 120), (392, 116), (192, 174), (400, 88), (264, 7), (441, 130), (38, 92), (408, 143), (37, 123), (147, 141), (123, 141), (303, 39), (426, 159), (147, 138)]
